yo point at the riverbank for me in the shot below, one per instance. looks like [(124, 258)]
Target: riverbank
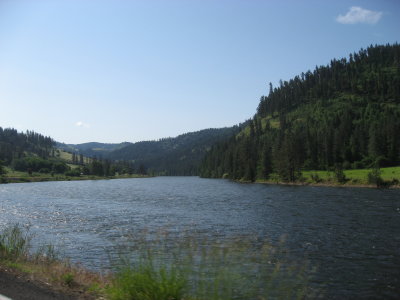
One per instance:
[(41, 274), (189, 270), (18, 285), (38, 177), (326, 184)]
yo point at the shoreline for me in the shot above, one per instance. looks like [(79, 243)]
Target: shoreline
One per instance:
[(316, 184), (29, 179), (325, 184)]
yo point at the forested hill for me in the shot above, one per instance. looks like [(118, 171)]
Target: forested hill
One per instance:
[(91, 149), (173, 156), (14, 144), (343, 115)]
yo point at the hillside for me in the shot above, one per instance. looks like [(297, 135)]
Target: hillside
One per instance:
[(92, 149), (14, 145), (173, 156), (341, 116)]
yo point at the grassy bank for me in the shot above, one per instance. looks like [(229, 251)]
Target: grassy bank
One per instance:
[(387, 177), (156, 269), (13, 176)]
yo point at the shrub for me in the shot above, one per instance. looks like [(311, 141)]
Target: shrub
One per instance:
[(60, 167), (67, 279), (339, 175), (374, 177), (73, 172), (2, 169), (31, 163), (315, 178)]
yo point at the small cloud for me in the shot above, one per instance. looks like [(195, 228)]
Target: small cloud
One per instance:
[(82, 124), (358, 14)]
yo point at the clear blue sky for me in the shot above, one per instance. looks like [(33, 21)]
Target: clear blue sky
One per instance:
[(113, 71)]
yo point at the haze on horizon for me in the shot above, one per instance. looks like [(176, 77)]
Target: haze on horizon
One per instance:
[(113, 71)]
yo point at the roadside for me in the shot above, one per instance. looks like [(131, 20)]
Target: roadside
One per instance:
[(20, 286)]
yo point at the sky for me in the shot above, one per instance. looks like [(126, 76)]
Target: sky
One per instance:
[(117, 70)]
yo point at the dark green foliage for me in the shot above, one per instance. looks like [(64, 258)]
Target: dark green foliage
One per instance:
[(73, 172), (37, 164), (374, 177), (92, 149), (14, 144), (339, 174), (59, 167), (96, 168), (172, 156), (315, 178), (2, 169), (339, 116)]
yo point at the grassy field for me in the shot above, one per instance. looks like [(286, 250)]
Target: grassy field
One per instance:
[(358, 177), (354, 177), (67, 157)]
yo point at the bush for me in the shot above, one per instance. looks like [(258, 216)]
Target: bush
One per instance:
[(2, 169), (67, 279), (60, 167), (374, 177), (31, 163), (315, 178), (339, 175), (73, 173)]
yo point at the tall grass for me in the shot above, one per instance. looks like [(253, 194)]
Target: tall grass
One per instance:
[(14, 243), (170, 266), (192, 268)]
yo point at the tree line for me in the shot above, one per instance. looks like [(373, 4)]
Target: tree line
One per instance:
[(32, 152), (340, 116), (14, 144)]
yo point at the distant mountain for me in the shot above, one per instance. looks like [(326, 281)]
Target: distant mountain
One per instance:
[(343, 115), (92, 149), (173, 156)]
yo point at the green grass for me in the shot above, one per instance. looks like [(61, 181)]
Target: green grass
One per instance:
[(14, 243), (356, 176), (145, 281), (65, 156), (273, 123), (13, 176)]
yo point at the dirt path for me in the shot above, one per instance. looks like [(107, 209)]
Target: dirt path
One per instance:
[(20, 287)]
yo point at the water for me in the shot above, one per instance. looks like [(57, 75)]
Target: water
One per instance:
[(352, 235)]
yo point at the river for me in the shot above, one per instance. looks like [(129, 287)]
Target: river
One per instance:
[(351, 235)]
